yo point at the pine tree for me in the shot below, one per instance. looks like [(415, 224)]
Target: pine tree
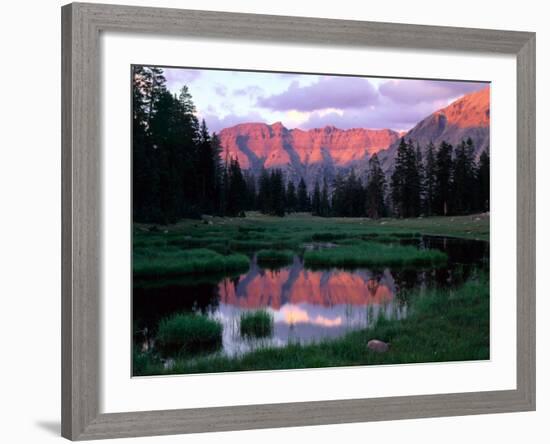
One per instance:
[(338, 195), (375, 190), (483, 182), (316, 201), (291, 198), (463, 178), (324, 205), (398, 177), (421, 172), (207, 170), (278, 192), (264, 193), (443, 170), (429, 181), (236, 199), (303, 198), (251, 196), (354, 199), (406, 183)]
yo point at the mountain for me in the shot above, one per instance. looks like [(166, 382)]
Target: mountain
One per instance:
[(322, 152), (311, 154), (468, 116)]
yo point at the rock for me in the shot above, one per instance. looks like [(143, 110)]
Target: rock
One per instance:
[(378, 346), (302, 153)]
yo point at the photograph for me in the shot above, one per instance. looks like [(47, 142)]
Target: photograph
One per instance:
[(287, 220)]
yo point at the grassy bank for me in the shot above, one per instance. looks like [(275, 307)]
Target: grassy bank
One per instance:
[(372, 253), (169, 261), (442, 325), (258, 231), (274, 257)]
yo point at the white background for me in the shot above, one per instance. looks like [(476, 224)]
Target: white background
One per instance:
[(30, 202)]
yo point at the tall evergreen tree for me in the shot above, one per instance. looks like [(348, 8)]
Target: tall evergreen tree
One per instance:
[(236, 199), (429, 181), (303, 197), (443, 171), (278, 192), (251, 196), (406, 181), (207, 171), (375, 189), (264, 193), (421, 172), (291, 197), (483, 182), (339, 195), (324, 205), (463, 178), (316, 200)]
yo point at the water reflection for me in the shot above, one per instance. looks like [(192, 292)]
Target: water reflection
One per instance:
[(307, 305)]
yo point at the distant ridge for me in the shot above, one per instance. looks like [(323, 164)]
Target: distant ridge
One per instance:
[(322, 152)]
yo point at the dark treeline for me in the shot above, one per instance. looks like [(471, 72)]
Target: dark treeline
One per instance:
[(448, 182), (177, 165), (180, 170)]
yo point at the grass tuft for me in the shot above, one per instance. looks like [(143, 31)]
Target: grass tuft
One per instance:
[(257, 324), (185, 333)]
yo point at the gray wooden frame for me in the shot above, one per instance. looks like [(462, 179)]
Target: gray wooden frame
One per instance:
[(81, 26)]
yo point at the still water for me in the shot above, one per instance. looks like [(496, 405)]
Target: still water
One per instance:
[(306, 305)]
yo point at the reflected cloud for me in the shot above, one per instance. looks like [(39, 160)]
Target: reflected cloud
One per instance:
[(293, 314)]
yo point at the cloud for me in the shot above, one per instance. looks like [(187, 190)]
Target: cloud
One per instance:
[(383, 115), (216, 124), (221, 90), (328, 92), (178, 77), (250, 91), (421, 91)]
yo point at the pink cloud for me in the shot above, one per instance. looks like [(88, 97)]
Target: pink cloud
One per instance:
[(328, 92)]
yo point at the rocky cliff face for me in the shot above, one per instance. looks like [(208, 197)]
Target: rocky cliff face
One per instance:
[(466, 117), (321, 152), (309, 154)]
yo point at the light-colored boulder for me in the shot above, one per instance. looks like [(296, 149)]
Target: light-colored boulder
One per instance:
[(378, 346)]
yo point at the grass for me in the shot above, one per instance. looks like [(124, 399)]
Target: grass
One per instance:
[(191, 247), (170, 261), (274, 257), (442, 326), (258, 231), (185, 333), (372, 253), (256, 324)]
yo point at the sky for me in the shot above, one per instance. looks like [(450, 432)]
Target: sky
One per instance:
[(305, 101)]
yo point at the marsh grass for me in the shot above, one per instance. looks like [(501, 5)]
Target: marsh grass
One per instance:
[(256, 324), (442, 326), (185, 333), (372, 253), (274, 257), (156, 262)]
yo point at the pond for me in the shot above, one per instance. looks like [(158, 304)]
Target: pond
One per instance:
[(306, 305)]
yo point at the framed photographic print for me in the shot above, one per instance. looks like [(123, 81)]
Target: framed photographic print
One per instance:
[(278, 221)]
